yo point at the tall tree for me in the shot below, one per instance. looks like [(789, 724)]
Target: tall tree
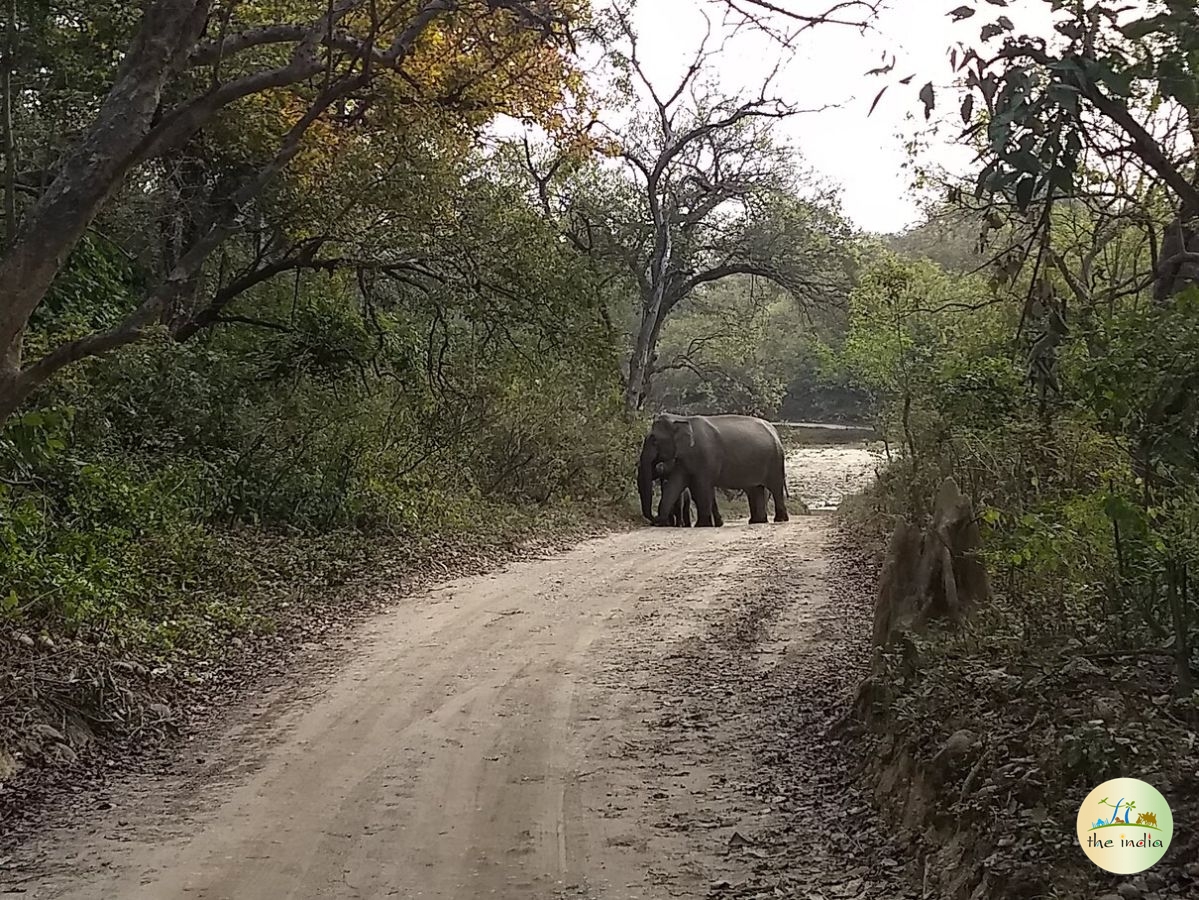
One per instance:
[(703, 192), (187, 64)]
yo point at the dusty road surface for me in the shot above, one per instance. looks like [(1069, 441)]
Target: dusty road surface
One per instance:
[(584, 726)]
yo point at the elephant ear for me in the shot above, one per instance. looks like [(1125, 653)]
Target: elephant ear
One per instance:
[(683, 435)]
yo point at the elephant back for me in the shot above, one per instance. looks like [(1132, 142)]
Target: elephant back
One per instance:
[(748, 450)]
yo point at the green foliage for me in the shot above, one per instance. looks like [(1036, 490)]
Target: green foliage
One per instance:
[(1141, 381), (1061, 398), (911, 344), (745, 346), (77, 548), (1089, 506), (949, 239), (95, 271), (329, 404), (1037, 101)]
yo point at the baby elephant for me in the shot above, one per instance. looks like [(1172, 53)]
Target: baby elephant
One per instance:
[(680, 515)]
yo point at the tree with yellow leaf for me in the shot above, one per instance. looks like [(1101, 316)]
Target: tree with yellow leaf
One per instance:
[(280, 88)]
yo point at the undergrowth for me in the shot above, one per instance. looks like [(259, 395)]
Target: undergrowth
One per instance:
[(1081, 666), (987, 737)]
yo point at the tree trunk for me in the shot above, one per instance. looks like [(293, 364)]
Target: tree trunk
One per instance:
[(1176, 593), (653, 306), (191, 202), (639, 361), (97, 166), (648, 335), (634, 389), (10, 138)]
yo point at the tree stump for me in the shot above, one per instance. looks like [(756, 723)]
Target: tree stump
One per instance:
[(896, 604), (932, 575)]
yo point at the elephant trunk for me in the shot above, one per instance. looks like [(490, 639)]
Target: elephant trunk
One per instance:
[(645, 478)]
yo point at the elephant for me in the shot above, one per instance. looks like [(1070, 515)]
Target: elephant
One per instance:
[(680, 515), (706, 452), (651, 470)]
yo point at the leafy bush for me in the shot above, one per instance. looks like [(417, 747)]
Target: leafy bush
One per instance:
[(128, 490)]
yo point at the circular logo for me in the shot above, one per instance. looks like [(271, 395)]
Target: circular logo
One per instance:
[(1125, 826)]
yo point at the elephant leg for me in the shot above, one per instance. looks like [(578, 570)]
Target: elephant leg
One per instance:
[(705, 501), (676, 511), (716, 519), (757, 504), (779, 492), (672, 492), (686, 515)]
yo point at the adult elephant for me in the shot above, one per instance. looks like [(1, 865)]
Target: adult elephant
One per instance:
[(741, 453)]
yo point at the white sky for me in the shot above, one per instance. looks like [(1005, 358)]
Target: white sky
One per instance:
[(864, 155)]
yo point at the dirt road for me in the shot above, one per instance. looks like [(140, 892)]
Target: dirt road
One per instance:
[(577, 726)]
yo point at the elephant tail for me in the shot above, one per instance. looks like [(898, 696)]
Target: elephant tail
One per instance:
[(783, 474)]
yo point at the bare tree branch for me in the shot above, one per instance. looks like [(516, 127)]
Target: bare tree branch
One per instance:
[(704, 179)]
